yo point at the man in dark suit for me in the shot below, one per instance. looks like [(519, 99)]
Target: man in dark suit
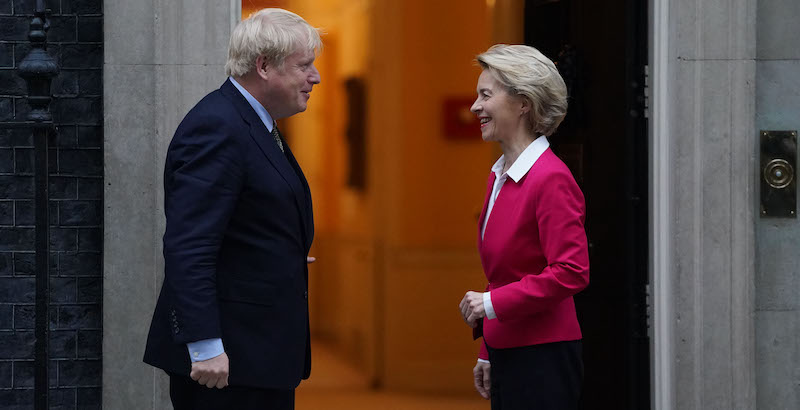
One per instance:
[(231, 323)]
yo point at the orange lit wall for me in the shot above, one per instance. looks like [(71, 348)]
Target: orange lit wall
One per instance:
[(426, 217), (251, 6)]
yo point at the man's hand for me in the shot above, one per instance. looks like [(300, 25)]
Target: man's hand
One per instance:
[(472, 308), (212, 372), (310, 259), (481, 373)]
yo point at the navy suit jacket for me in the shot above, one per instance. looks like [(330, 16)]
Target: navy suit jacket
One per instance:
[(239, 228)]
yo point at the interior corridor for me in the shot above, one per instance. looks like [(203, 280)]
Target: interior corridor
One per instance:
[(336, 386), (395, 248)]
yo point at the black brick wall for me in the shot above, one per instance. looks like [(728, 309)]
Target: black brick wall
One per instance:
[(76, 209)]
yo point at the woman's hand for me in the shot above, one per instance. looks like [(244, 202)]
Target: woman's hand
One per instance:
[(472, 308), (482, 380)]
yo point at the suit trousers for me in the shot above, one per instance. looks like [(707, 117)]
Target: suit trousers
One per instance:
[(187, 394), (539, 377)]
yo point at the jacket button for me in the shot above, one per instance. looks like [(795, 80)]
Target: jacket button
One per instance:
[(305, 295)]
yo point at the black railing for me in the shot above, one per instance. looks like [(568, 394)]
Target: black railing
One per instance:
[(38, 69)]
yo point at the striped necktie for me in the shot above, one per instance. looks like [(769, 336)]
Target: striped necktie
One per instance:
[(277, 135)]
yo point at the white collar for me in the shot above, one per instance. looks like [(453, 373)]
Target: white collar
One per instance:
[(524, 162), (257, 107)]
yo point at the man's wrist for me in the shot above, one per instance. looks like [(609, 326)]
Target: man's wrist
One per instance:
[(205, 349)]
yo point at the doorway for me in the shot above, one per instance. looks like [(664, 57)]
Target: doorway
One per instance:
[(601, 50)]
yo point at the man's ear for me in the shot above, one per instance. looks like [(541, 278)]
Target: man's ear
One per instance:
[(262, 67)]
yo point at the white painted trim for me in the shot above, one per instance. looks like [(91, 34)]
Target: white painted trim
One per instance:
[(662, 371)]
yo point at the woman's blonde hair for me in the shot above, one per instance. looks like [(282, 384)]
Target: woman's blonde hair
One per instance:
[(526, 72), (273, 33)]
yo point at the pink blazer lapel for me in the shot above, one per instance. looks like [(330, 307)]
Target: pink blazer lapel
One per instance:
[(489, 187)]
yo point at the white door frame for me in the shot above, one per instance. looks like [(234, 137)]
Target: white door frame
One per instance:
[(662, 391)]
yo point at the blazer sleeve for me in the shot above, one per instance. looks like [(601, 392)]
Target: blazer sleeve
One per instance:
[(559, 213), (483, 353), (203, 177)]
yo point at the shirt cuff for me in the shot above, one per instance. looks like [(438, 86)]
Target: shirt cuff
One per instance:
[(205, 349), (487, 306), (483, 361)]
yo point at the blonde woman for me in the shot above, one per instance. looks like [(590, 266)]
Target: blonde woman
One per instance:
[(531, 240)]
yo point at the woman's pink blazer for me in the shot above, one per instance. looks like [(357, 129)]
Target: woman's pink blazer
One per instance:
[(535, 256)]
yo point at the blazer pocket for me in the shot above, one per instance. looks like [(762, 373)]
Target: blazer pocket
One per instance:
[(257, 293)]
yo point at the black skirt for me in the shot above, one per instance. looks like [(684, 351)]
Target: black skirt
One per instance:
[(539, 377)]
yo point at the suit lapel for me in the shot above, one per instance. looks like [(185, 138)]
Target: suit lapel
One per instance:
[(489, 188), (307, 208), (282, 163)]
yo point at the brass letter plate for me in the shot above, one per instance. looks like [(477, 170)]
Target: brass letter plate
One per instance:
[(778, 174)]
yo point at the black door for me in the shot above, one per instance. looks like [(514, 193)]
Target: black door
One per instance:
[(600, 49)]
